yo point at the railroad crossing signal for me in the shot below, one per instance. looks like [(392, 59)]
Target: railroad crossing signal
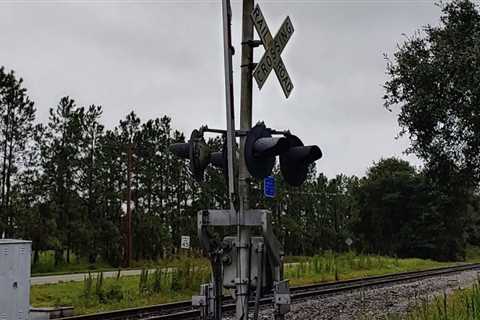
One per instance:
[(244, 262), (261, 150), (273, 48), (295, 162), (198, 152)]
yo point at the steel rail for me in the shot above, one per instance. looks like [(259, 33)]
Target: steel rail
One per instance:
[(183, 310), (135, 313)]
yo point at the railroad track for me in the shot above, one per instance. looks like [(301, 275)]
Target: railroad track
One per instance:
[(183, 310)]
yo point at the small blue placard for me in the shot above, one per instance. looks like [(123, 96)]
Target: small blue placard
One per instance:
[(269, 187)]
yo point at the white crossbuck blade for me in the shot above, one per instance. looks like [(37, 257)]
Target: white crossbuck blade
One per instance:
[(273, 48)]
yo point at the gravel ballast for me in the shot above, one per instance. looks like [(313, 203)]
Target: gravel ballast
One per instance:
[(376, 303)]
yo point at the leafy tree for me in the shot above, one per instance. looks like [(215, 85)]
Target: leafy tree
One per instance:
[(403, 212), (387, 198), (435, 80)]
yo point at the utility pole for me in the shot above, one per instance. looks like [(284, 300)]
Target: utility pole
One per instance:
[(243, 241), (128, 253)]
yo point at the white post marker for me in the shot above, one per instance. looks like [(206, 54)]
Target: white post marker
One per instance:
[(185, 242), (349, 242), (273, 48)]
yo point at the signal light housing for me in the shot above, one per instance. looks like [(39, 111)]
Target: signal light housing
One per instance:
[(294, 162), (219, 159), (261, 149), (197, 151), (260, 152)]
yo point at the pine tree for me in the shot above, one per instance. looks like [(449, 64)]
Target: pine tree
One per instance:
[(111, 180), (17, 114), (91, 132), (61, 156)]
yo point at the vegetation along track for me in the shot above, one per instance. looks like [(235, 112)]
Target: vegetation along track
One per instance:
[(184, 309)]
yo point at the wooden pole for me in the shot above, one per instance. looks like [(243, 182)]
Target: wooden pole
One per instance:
[(129, 206)]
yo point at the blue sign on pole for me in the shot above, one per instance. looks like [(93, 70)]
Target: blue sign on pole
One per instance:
[(269, 187)]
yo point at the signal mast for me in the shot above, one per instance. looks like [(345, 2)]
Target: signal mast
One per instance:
[(248, 265)]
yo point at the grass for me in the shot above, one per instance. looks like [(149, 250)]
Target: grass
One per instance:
[(96, 294), (331, 267), (473, 254), (46, 265), (460, 305), (72, 294)]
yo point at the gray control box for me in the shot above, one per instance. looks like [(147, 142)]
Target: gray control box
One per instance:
[(230, 261), (15, 258)]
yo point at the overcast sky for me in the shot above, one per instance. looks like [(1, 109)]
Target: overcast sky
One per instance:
[(165, 57)]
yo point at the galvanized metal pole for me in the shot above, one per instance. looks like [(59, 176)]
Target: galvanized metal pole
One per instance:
[(243, 241), (228, 53)]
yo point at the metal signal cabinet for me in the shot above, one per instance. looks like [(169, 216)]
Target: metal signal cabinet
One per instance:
[(15, 258)]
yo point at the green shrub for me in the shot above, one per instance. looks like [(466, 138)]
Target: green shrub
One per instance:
[(87, 292), (143, 287), (114, 293), (158, 279), (99, 286)]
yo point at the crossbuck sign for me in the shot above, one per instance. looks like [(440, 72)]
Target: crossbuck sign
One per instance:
[(273, 48)]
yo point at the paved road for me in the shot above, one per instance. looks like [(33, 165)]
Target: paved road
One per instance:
[(80, 276), (36, 280)]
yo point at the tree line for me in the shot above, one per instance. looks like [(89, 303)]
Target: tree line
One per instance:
[(64, 186), (64, 183)]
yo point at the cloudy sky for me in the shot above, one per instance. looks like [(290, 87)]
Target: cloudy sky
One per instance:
[(165, 57)]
